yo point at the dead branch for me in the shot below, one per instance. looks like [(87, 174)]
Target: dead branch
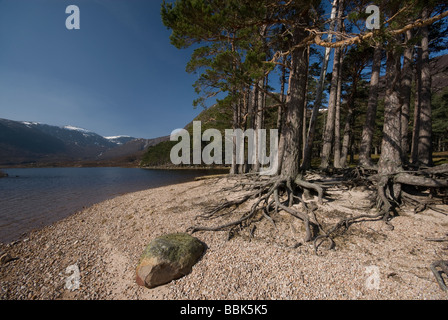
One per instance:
[(444, 266)]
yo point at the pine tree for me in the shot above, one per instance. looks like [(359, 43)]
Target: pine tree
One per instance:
[(240, 42)]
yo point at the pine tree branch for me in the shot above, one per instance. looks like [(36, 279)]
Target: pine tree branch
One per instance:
[(420, 23)]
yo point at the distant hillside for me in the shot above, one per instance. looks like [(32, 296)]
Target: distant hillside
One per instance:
[(133, 149), (439, 74), (439, 67), (27, 143), (215, 117)]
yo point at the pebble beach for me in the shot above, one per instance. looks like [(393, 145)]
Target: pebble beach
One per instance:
[(105, 241)]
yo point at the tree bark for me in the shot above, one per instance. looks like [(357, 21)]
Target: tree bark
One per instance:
[(305, 109), (337, 126), (295, 103), (406, 90), (372, 106), (258, 122), (328, 136), (346, 143), (319, 94), (390, 160), (425, 135), (418, 98), (282, 96)]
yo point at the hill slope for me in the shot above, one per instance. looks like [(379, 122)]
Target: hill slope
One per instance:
[(24, 143)]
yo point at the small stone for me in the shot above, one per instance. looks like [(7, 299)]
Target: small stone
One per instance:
[(5, 258)]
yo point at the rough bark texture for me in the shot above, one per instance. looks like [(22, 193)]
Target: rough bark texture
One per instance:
[(406, 90), (308, 149), (337, 125), (347, 140), (369, 127), (390, 161), (418, 95), (295, 104), (328, 136), (348, 133), (425, 133)]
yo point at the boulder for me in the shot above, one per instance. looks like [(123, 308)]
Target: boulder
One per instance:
[(168, 258)]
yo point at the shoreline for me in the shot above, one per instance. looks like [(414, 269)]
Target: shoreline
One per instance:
[(108, 165), (186, 168), (41, 225), (106, 240)]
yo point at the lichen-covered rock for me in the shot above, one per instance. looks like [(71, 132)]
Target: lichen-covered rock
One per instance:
[(168, 258)]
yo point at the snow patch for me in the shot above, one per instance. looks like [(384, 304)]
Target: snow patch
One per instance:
[(30, 124), (72, 128), (116, 137)]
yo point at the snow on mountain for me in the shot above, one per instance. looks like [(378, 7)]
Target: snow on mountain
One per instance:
[(120, 140), (25, 142), (72, 128), (30, 124), (116, 137)]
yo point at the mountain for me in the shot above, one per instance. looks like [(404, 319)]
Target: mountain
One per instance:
[(120, 140), (25, 143), (131, 150)]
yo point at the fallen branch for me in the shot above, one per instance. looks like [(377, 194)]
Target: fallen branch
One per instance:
[(444, 266)]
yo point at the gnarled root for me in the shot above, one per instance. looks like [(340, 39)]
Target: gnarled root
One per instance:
[(270, 196)]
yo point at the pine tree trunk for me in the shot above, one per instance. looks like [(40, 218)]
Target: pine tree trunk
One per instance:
[(282, 97), (308, 153), (328, 136), (406, 90), (295, 103), (425, 135), (337, 127), (258, 122), (418, 97), (234, 167), (372, 106), (346, 143), (305, 109), (390, 160)]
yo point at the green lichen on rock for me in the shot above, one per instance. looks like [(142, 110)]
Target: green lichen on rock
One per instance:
[(175, 248), (167, 258)]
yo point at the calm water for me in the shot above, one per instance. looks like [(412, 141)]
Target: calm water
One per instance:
[(34, 198)]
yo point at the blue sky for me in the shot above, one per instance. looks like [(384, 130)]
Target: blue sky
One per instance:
[(117, 75)]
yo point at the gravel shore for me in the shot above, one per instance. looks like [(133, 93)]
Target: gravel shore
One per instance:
[(105, 242)]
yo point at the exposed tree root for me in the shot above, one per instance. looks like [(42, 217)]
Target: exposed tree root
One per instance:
[(393, 188), (270, 195)]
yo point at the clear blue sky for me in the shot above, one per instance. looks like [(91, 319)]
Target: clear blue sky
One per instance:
[(117, 75)]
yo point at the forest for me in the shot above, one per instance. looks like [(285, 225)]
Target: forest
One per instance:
[(346, 98)]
